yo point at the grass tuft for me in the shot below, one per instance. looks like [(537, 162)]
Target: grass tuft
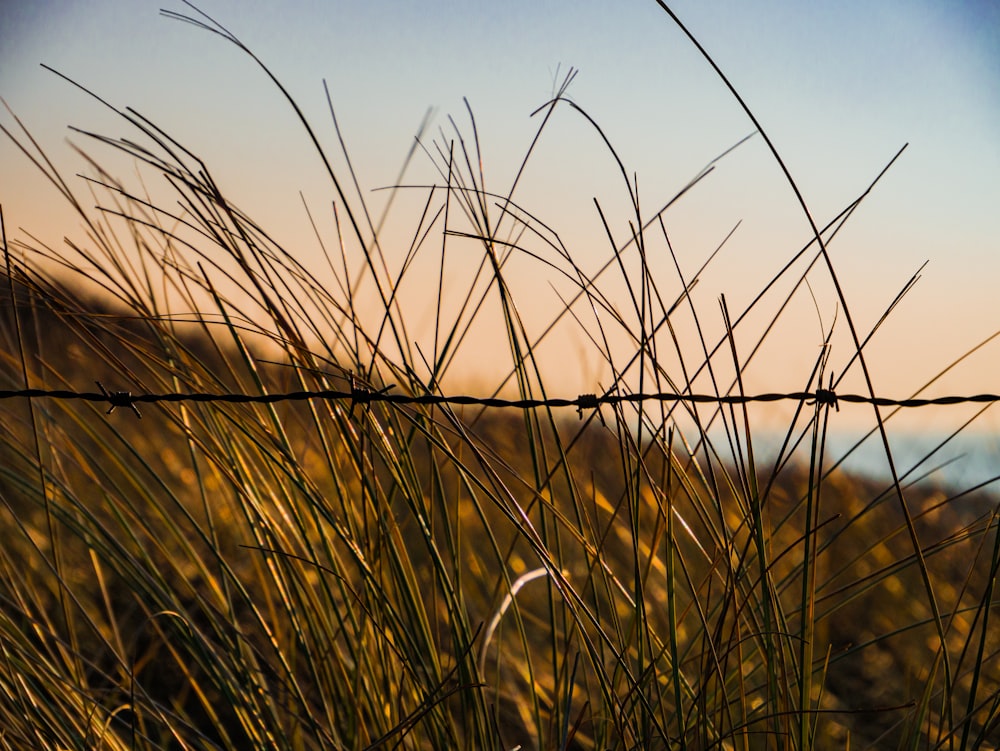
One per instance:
[(329, 574)]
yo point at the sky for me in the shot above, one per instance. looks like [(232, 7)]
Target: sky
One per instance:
[(839, 87)]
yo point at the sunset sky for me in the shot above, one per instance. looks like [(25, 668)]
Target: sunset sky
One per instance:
[(838, 86)]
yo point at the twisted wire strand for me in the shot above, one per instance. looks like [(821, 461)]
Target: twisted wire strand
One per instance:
[(362, 395)]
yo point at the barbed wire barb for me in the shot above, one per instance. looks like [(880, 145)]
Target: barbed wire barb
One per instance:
[(119, 399)]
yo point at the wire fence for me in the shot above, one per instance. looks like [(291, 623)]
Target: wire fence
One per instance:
[(363, 395)]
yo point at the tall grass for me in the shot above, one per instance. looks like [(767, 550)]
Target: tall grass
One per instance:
[(350, 575)]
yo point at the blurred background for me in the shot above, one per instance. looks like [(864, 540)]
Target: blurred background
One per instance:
[(839, 88)]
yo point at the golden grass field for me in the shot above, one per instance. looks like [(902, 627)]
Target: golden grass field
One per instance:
[(319, 574)]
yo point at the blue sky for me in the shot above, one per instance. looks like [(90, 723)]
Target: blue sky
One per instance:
[(839, 87)]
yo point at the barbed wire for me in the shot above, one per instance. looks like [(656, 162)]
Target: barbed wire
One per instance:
[(364, 395)]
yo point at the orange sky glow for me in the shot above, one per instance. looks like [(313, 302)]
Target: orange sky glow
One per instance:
[(838, 87)]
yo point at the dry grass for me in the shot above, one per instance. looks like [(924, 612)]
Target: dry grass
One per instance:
[(322, 575)]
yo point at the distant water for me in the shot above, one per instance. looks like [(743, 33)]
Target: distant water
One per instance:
[(963, 462), (969, 459)]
